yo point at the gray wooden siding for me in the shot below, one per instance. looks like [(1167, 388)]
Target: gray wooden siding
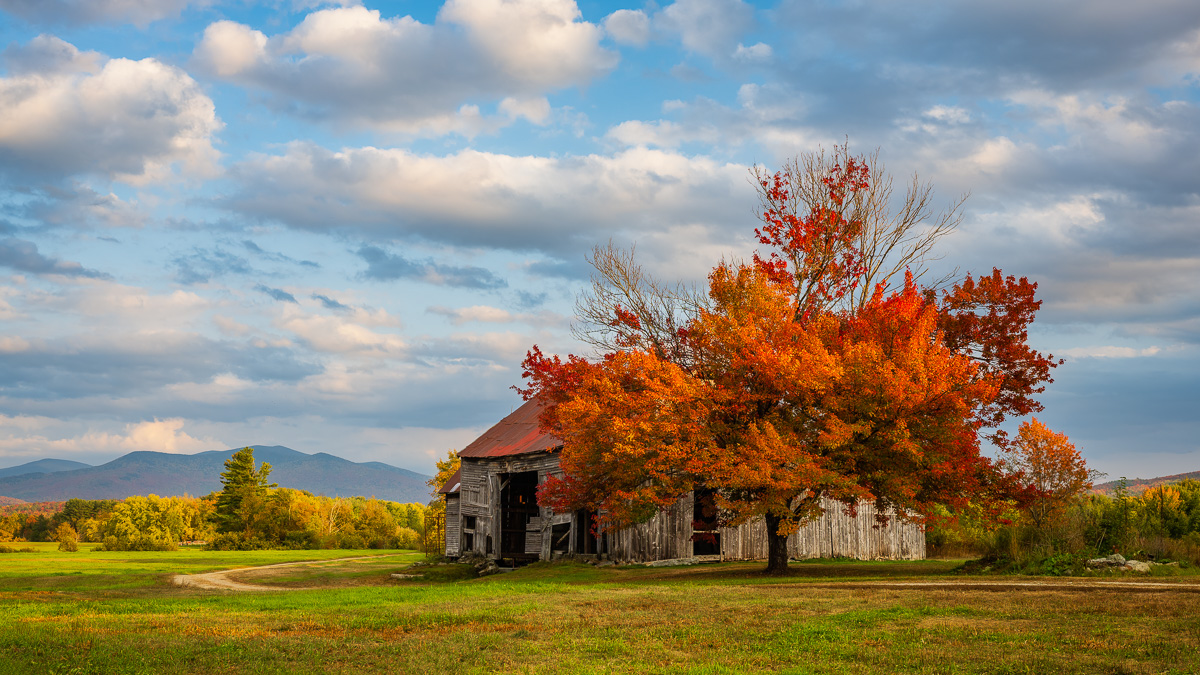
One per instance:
[(834, 534), (453, 525), (480, 497), (668, 534)]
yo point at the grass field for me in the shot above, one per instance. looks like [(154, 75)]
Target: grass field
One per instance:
[(91, 612)]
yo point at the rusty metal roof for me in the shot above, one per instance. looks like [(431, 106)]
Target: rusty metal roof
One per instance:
[(451, 485), (517, 434)]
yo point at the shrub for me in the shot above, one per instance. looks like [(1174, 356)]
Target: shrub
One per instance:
[(408, 539), (233, 541), (139, 543), (14, 549), (68, 545)]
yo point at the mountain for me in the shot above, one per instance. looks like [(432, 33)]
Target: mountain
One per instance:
[(43, 466), (164, 474), (1137, 486)]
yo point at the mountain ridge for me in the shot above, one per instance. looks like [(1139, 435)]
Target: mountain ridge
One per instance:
[(165, 474), (48, 465), (1136, 486)]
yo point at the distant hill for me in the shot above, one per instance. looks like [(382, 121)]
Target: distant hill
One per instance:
[(9, 501), (43, 466), (1136, 486), (164, 474)]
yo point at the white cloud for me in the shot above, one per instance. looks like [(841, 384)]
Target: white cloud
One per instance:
[(755, 53), (230, 48), (488, 314), (352, 65), (339, 335), (948, 114), (660, 133), (540, 42), (536, 110), (485, 199), (628, 27), (27, 436), (1109, 352), (61, 113), (133, 308), (709, 27)]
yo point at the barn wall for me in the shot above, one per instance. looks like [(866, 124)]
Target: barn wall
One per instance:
[(834, 534), (668, 534), (453, 525), (480, 497), (665, 536)]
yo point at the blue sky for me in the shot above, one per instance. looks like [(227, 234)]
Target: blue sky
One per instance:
[(339, 226)]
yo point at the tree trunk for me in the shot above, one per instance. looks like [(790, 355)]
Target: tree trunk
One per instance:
[(777, 554)]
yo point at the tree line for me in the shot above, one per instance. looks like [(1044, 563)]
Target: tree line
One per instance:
[(247, 513)]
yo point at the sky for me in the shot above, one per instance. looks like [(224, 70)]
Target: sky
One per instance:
[(339, 226)]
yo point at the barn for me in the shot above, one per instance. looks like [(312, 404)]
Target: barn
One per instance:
[(492, 510)]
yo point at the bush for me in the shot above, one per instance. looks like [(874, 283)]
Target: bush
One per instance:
[(408, 539), (68, 545), (352, 541), (13, 549), (141, 543), (232, 541)]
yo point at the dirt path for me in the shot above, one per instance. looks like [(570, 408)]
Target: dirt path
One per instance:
[(220, 581)]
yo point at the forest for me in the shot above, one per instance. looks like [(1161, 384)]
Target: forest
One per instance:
[(246, 514), (1162, 523)]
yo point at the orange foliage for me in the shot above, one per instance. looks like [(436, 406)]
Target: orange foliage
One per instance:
[(1048, 464), (788, 394)]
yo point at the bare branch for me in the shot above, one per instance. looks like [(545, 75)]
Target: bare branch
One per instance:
[(626, 308)]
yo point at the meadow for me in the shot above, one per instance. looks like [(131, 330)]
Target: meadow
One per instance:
[(118, 612)]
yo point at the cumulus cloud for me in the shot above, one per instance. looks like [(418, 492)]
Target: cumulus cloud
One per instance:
[(628, 27), (353, 65), (1109, 352), (63, 112), (488, 314), (26, 435), (755, 53), (708, 27), (76, 205), (77, 12), (561, 205), (340, 335)]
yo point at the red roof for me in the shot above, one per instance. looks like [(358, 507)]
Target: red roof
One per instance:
[(452, 483), (517, 434)]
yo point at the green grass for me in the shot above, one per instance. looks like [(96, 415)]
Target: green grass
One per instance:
[(92, 612)]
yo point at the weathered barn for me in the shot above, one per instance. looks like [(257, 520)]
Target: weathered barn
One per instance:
[(492, 509)]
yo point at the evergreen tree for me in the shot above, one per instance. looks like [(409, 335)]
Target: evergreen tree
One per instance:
[(240, 480)]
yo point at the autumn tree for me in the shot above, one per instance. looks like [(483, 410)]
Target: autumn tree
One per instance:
[(1049, 465), (434, 528), (811, 372), (241, 482), (67, 538)]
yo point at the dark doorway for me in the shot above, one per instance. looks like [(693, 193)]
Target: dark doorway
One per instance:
[(560, 539), (518, 503), (706, 535), (585, 540)]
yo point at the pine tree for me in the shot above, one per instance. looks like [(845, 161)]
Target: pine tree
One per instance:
[(239, 480)]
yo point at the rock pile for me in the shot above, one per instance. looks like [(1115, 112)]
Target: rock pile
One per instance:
[(1118, 562), (483, 565)]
